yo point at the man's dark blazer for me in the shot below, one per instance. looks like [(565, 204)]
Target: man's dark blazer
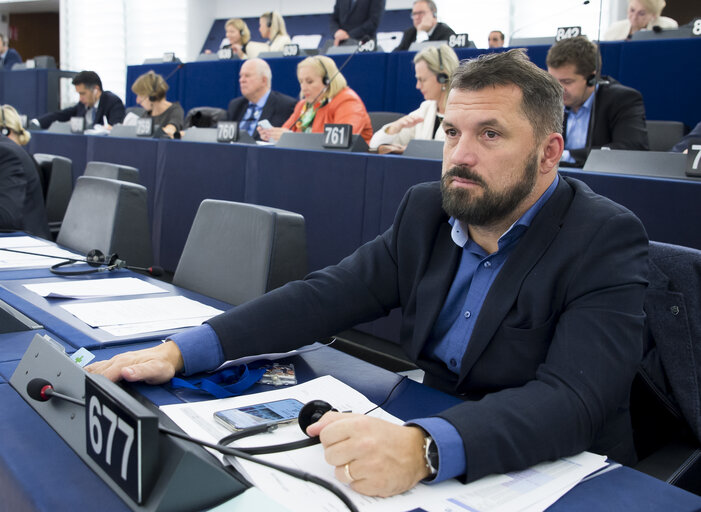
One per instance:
[(548, 369), (277, 109), (11, 58), (619, 121), (442, 32), (110, 106), (362, 19), (21, 198)]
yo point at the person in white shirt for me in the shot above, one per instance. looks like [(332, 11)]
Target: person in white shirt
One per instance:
[(433, 68), (272, 27), (642, 15)]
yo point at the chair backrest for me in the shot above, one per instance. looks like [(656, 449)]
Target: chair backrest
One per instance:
[(204, 117), (112, 171), (139, 111), (379, 119), (662, 135), (57, 172), (236, 252), (420, 148), (111, 216), (60, 127), (666, 394)]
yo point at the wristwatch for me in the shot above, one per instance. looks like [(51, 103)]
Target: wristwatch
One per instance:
[(430, 455)]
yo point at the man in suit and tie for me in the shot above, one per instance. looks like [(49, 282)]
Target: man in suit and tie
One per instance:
[(352, 20), (8, 56), (95, 105), (617, 120), (258, 101), (424, 15), (521, 292)]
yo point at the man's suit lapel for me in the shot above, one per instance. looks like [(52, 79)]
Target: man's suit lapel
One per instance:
[(269, 106), (507, 284), (433, 288)]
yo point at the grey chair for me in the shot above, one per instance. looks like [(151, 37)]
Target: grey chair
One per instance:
[(111, 216), (112, 171), (666, 392), (139, 111), (662, 135), (57, 181), (379, 119), (236, 252), (204, 117)]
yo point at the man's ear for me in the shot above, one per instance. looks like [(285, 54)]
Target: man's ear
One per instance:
[(551, 152)]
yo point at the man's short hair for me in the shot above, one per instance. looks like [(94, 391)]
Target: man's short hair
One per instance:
[(263, 69), (542, 102), (88, 78), (431, 6), (579, 51), (501, 34)]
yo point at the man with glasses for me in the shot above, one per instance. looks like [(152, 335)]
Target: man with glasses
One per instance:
[(426, 26)]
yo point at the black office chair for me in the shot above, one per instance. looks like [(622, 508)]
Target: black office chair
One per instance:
[(236, 251), (204, 117), (112, 171), (666, 392), (662, 135), (56, 174), (111, 216), (379, 119)]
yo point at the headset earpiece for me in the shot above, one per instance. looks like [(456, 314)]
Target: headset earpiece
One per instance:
[(4, 130), (312, 412), (269, 17), (442, 76), (95, 258), (325, 79), (591, 80)]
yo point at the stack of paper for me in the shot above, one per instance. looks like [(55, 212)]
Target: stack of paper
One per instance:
[(94, 288), (28, 244), (530, 490)]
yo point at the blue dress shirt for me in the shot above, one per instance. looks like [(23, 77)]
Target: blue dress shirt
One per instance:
[(577, 128), (252, 115), (201, 349)]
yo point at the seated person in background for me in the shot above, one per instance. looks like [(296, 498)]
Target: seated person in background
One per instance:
[(642, 15), (257, 100), (21, 197), (272, 27), (619, 112), (352, 20), (433, 68), (496, 39), (239, 36), (521, 291), (326, 98), (96, 105), (683, 145), (150, 89), (8, 56), (426, 26)]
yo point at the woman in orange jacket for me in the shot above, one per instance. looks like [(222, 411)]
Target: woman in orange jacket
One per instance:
[(325, 98)]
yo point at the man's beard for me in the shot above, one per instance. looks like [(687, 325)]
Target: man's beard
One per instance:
[(470, 209)]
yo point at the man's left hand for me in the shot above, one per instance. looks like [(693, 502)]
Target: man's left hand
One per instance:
[(375, 457)]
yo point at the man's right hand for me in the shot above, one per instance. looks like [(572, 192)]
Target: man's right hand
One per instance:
[(154, 365)]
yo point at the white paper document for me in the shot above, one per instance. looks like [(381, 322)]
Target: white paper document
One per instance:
[(154, 314), (17, 260), (94, 288), (530, 490), (17, 242)]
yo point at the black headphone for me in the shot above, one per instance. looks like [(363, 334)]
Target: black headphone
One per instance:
[(95, 259), (442, 76), (154, 86), (310, 413), (325, 79), (591, 80), (269, 17), (4, 130)]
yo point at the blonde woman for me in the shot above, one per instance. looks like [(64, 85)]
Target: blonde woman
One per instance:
[(272, 28), (21, 196), (433, 68), (325, 98), (239, 35), (642, 15)]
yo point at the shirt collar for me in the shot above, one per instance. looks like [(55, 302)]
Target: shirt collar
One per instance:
[(586, 106), (261, 102), (460, 235)]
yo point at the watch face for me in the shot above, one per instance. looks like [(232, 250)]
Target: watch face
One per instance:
[(431, 455)]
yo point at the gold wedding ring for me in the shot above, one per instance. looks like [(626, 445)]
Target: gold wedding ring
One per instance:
[(346, 469)]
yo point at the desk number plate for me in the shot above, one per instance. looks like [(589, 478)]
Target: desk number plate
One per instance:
[(337, 135), (227, 131)]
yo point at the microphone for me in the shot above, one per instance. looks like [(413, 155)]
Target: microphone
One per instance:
[(43, 391), (94, 258), (362, 41), (175, 70)]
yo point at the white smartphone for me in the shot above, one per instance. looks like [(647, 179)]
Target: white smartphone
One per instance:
[(265, 124), (267, 413)]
